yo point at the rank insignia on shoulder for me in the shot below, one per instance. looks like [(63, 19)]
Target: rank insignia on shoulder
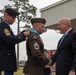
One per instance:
[(36, 45), (34, 37), (6, 31)]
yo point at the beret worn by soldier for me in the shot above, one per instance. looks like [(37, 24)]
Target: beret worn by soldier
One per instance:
[(38, 20), (12, 12)]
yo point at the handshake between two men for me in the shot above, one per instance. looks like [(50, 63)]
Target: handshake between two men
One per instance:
[(47, 55)]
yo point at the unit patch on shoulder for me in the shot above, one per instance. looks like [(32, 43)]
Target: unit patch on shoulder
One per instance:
[(36, 46), (6, 31), (34, 37)]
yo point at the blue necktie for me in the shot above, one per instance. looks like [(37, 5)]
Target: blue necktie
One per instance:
[(62, 39), (63, 36)]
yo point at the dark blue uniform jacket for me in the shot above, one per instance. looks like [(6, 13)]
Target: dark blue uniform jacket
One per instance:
[(7, 47)]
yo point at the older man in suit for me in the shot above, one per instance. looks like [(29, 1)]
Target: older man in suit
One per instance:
[(65, 56)]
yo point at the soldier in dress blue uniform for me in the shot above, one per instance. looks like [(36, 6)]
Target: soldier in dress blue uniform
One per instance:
[(35, 49), (8, 41)]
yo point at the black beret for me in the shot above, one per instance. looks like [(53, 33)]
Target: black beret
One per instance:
[(12, 12), (38, 20)]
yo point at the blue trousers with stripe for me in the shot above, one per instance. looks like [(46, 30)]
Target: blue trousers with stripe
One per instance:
[(6, 73)]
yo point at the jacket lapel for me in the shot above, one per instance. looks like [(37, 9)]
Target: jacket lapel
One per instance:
[(63, 41)]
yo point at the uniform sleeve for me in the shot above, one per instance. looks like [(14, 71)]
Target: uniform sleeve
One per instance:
[(35, 49), (8, 37), (74, 51), (53, 58)]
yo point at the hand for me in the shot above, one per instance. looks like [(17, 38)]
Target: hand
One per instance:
[(47, 55), (47, 66), (50, 62), (27, 34), (71, 73)]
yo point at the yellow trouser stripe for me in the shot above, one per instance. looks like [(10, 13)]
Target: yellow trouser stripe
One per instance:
[(2, 73)]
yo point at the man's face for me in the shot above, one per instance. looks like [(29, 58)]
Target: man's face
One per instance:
[(11, 19), (41, 28), (62, 27)]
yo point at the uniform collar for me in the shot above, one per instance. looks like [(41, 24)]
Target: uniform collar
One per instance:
[(5, 22)]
